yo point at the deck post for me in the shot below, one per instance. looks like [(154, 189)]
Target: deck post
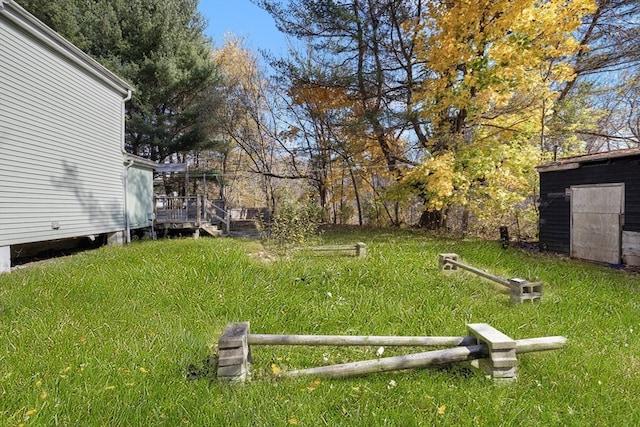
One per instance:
[(198, 210)]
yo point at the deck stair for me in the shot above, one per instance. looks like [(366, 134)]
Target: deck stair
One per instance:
[(211, 230)]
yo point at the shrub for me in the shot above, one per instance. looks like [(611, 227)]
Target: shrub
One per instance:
[(294, 223)]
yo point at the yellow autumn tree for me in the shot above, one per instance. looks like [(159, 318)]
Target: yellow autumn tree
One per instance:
[(248, 118), (316, 109), (346, 165), (492, 66)]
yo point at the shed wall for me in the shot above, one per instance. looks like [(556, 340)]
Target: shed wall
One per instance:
[(555, 202), (139, 196), (60, 146)]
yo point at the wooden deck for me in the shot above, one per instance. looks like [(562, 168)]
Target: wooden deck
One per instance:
[(189, 213)]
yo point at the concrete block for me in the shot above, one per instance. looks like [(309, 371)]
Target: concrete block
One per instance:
[(233, 353), (117, 238), (5, 259), (445, 265), (523, 290), (502, 361)]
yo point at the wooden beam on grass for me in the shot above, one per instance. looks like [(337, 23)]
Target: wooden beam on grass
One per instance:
[(338, 340), (420, 360)]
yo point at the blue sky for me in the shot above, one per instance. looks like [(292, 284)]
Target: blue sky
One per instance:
[(244, 19)]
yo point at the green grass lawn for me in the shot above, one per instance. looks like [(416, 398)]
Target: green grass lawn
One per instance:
[(110, 337)]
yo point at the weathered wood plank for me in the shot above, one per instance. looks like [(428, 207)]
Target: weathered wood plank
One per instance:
[(419, 360), (631, 248), (530, 345), (338, 340), (477, 271), (416, 360), (234, 335), (359, 248)]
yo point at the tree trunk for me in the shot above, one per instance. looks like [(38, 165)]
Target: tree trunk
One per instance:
[(357, 196), (431, 220)]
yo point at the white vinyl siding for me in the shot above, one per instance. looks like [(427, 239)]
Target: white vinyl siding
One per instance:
[(60, 145)]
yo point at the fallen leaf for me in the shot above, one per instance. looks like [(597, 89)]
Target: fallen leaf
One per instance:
[(442, 409), (143, 370), (293, 421), (275, 369), (313, 385)]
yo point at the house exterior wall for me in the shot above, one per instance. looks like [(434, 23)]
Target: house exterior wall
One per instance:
[(139, 196), (555, 198), (61, 135)]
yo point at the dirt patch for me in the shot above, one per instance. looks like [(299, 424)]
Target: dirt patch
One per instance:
[(263, 256)]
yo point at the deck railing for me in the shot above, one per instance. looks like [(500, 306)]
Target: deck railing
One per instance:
[(191, 211)]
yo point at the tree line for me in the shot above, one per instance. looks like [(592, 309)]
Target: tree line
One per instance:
[(383, 112)]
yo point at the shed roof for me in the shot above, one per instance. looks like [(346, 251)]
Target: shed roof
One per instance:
[(171, 167), (140, 161), (14, 13), (574, 162)]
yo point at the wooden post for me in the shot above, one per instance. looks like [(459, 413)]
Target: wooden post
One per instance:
[(448, 262), (502, 362), (416, 360), (198, 210), (520, 290), (339, 340), (360, 248), (233, 353), (420, 360)]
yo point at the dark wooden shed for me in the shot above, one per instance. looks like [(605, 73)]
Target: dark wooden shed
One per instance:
[(590, 206)]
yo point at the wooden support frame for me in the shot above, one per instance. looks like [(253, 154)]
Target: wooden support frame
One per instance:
[(359, 248), (502, 362), (520, 290), (496, 351)]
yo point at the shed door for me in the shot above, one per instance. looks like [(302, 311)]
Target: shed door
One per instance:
[(596, 222)]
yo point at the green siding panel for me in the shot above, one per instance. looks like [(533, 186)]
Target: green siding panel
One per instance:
[(139, 196)]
